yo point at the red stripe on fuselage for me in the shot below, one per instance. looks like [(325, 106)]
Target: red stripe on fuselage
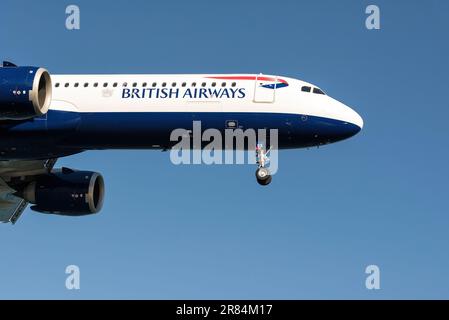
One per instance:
[(262, 78)]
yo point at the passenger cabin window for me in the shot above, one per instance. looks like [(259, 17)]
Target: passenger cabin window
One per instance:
[(115, 84), (154, 84), (184, 84), (86, 85), (96, 84), (203, 84), (76, 85), (306, 89), (173, 84), (223, 84), (57, 85), (164, 84), (134, 84), (66, 85), (233, 84), (318, 91), (144, 84), (125, 84)]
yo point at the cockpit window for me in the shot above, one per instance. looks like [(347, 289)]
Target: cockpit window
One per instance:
[(306, 89), (318, 91)]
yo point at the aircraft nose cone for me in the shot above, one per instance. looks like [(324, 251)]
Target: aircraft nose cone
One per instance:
[(345, 113), (345, 130), (343, 122), (354, 122), (351, 116), (353, 119), (356, 119)]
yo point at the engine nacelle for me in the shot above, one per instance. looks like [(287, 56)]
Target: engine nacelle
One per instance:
[(25, 92), (68, 192)]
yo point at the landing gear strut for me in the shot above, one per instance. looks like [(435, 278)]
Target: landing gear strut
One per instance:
[(263, 175)]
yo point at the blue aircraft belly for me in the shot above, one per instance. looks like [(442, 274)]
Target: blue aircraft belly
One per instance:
[(61, 133)]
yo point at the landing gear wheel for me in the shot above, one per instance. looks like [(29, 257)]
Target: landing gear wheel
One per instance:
[(262, 173), (264, 182), (263, 176)]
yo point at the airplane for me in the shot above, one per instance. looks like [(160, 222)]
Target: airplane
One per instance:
[(44, 117)]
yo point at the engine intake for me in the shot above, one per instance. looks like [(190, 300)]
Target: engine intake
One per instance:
[(68, 192), (25, 92)]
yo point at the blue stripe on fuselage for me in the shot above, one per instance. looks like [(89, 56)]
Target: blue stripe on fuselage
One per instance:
[(61, 132)]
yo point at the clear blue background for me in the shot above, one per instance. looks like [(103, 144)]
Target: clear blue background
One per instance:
[(210, 232)]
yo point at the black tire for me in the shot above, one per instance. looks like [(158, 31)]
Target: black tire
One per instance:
[(263, 176), (264, 182)]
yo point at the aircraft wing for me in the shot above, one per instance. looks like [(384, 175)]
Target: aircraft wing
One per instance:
[(12, 206)]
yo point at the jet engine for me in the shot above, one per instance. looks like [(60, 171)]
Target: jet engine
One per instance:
[(66, 192), (25, 92)]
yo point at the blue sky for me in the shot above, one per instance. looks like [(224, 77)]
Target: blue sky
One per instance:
[(209, 232)]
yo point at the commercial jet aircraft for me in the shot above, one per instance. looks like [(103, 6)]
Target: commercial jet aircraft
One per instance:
[(44, 117)]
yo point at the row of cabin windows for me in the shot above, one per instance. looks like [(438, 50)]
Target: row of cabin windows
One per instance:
[(309, 89), (144, 84)]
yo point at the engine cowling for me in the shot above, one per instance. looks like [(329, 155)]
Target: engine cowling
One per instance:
[(68, 192), (25, 92)]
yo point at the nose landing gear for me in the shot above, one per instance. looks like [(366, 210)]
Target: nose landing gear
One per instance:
[(263, 175)]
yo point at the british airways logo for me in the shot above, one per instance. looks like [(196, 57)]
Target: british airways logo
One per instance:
[(264, 81), (204, 93), (188, 93)]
